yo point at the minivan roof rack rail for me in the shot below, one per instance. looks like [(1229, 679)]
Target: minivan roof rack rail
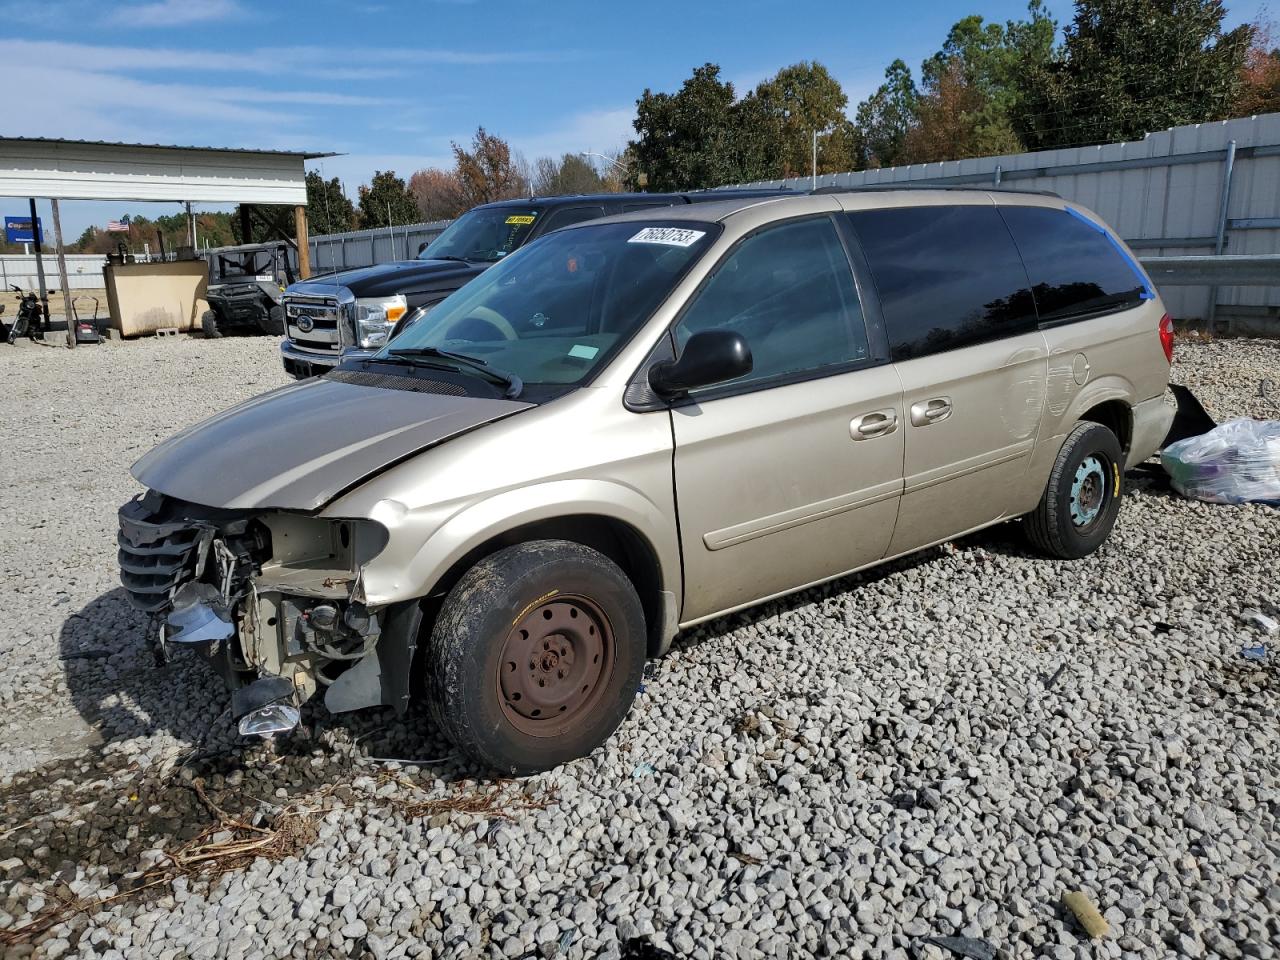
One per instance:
[(874, 187)]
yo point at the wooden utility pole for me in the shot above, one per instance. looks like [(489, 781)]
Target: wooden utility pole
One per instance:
[(304, 245), (62, 276)]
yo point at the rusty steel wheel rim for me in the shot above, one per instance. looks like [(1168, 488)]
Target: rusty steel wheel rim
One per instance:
[(555, 665)]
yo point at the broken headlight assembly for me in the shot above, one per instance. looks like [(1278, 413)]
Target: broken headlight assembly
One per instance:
[(274, 599)]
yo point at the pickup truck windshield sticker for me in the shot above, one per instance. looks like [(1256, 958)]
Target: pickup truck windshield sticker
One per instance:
[(582, 351), (522, 218), (670, 236)]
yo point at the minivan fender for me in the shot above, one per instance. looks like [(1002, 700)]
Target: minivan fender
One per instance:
[(475, 525), (1060, 419), (1110, 387)]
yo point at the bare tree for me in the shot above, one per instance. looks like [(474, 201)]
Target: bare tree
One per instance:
[(489, 171), (438, 193)]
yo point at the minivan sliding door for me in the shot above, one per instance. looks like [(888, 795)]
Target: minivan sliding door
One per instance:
[(961, 324)]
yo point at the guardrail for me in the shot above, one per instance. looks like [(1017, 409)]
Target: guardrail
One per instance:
[(1226, 270)]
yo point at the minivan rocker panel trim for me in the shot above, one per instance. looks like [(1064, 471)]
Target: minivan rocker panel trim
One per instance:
[(298, 447)]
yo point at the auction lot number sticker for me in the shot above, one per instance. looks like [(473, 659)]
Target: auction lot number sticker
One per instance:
[(670, 236)]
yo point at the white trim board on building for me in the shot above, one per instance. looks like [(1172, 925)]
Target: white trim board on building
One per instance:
[(86, 170)]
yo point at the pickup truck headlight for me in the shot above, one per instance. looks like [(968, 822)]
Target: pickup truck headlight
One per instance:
[(375, 316)]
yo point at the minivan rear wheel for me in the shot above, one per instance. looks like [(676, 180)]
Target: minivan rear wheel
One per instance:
[(536, 655), (1081, 500)]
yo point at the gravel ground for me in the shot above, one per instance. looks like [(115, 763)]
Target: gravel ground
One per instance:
[(942, 747)]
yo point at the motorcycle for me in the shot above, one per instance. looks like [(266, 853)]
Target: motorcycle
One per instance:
[(29, 322)]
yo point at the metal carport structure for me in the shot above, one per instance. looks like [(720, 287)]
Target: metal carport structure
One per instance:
[(50, 169)]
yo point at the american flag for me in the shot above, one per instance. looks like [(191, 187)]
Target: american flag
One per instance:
[(117, 226)]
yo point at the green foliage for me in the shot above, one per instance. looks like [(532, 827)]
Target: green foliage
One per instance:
[(1128, 67), (212, 229), (328, 208), (886, 116), (798, 100), (385, 197), (701, 136), (570, 174)]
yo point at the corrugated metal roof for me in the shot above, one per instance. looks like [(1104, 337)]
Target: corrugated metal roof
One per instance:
[(305, 154)]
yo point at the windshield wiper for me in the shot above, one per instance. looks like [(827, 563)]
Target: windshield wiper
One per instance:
[(449, 256), (513, 383)]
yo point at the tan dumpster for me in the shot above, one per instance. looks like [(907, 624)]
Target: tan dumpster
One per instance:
[(146, 297)]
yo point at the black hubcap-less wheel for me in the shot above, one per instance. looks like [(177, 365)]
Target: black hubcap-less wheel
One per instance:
[(555, 662)]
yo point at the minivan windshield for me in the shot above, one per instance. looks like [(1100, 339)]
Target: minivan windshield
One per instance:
[(483, 235), (556, 311)]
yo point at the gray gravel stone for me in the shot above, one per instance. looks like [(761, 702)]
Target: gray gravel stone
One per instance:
[(1145, 774)]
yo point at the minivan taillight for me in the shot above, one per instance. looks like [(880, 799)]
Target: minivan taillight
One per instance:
[(1166, 336)]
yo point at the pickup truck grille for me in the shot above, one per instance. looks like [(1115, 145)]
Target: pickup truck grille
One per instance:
[(313, 323), (155, 558)]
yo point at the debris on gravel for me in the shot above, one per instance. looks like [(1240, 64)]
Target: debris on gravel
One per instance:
[(909, 762)]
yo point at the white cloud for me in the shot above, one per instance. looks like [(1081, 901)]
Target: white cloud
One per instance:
[(174, 13), (93, 104), (312, 61), (598, 130)]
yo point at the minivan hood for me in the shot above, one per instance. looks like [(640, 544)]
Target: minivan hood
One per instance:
[(298, 447), (387, 279)]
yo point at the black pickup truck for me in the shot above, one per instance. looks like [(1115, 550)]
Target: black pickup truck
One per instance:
[(352, 313)]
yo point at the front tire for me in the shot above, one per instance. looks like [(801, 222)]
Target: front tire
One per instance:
[(209, 325), (536, 656), (1082, 498)]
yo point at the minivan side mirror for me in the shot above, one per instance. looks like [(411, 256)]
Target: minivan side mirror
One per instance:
[(710, 357)]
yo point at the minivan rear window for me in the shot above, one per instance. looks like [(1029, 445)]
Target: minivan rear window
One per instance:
[(948, 277), (1076, 271)]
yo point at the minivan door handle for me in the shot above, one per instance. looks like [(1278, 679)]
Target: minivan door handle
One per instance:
[(930, 411), (874, 424)]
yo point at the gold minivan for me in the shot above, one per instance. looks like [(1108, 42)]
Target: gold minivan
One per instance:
[(636, 424)]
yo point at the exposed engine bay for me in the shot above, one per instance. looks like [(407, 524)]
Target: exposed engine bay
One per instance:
[(274, 599)]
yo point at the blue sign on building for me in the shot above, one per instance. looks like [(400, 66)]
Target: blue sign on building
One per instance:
[(18, 230)]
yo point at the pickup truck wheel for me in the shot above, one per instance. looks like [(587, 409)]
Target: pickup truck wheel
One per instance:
[(1081, 500), (536, 655), (273, 323), (209, 325)]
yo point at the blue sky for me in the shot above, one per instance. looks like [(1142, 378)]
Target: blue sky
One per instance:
[(391, 83)]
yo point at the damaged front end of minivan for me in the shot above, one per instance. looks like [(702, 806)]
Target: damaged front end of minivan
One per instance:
[(274, 599), (231, 549)]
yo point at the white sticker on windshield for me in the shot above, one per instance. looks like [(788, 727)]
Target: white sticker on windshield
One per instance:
[(671, 236), (581, 351)]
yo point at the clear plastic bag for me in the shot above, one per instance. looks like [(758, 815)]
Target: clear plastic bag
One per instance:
[(1235, 462)]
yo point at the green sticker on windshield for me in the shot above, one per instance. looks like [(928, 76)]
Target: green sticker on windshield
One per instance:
[(581, 351)]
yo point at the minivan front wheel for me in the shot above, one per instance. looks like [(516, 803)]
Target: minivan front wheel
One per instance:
[(536, 655), (1081, 500)]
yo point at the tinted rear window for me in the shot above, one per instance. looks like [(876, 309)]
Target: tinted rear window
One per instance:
[(947, 277), (1075, 269)]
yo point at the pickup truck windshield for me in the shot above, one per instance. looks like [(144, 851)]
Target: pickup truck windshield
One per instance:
[(557, 310), (485, 236)]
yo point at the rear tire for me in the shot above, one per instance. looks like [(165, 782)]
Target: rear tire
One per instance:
[(536, 656), (1082, 498), (273, 323), (209, 325)]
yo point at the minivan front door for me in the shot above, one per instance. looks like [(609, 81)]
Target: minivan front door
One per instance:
[(792, 474), (962, 330)]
